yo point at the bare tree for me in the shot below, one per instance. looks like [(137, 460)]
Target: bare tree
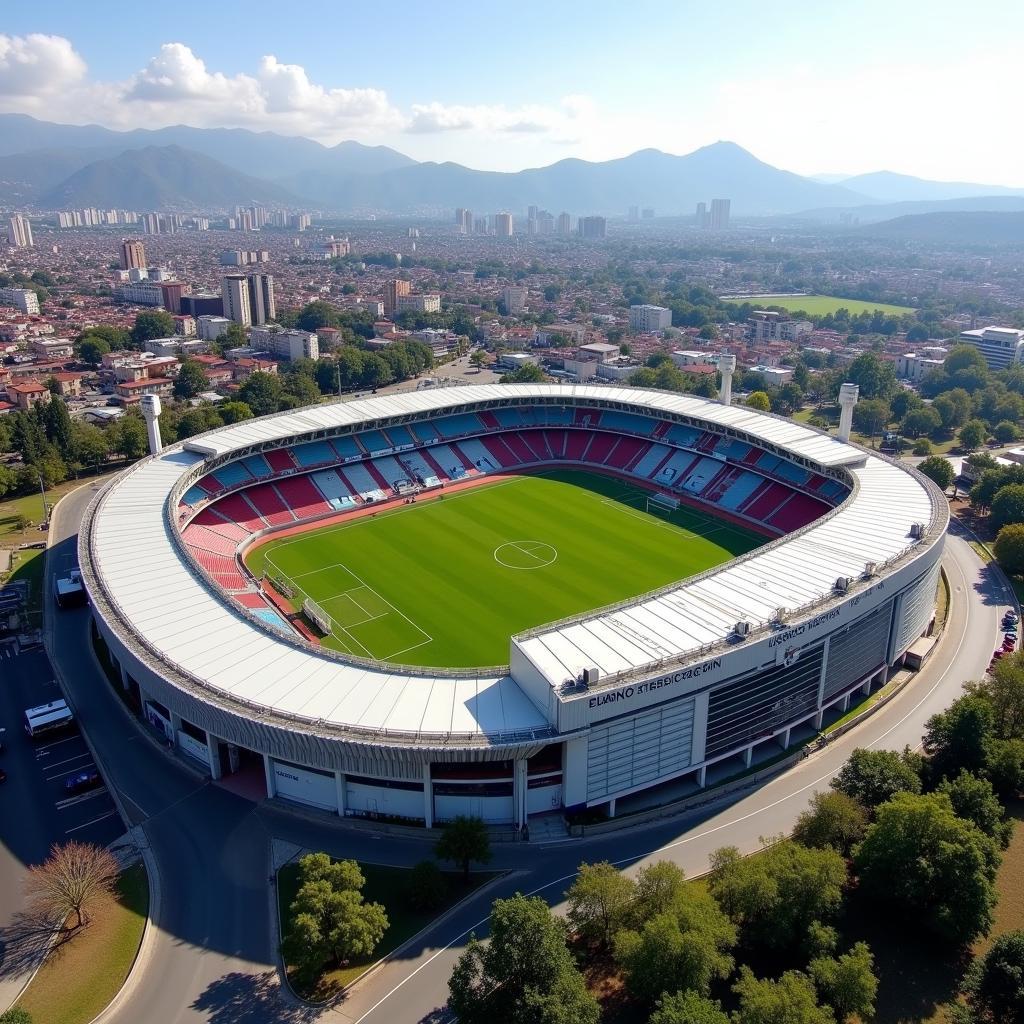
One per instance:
[(71, 880)]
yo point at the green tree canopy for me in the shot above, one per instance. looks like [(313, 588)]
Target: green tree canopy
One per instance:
[(261, 392), (957, 739), (972, 435), (463, 841), (974, 799), (1007, 506), (191, 379), (198, 420), (920, 421), (234, 412), (995, 981), (790, 1000), (688, 1008), (848, 982), (760, 401), (921, 860), (873, 776), (871, 415), (150, 324), (599, 901), (317, 314), (833, 819), (939, 470), (127, 437), (92, 349), (528, 373), (876, 377)]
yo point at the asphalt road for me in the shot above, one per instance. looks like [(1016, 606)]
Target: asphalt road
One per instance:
[(211, 957)]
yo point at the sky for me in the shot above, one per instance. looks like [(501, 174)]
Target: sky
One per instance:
[(925, 88)]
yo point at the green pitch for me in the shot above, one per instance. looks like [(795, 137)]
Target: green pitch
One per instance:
[(821, 305), (446, 581)]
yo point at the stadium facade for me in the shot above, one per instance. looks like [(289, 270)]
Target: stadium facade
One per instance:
[(671, 689)]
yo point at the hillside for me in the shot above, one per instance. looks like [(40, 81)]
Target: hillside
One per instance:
[(889, 187), (877, 212), (162, 177), (957, 228)]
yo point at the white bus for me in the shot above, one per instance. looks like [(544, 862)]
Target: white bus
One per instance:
[(51, 717), (68, 590)]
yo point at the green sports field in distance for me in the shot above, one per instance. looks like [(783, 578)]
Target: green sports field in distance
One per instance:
[(821, 305), (447, 580)]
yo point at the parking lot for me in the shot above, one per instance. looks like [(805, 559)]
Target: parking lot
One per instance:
[(38, 770)]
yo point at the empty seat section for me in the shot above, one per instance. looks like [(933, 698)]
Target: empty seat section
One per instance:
[(399, 435), (534, 440), (719, 483), (193, 496), (472, 451), (790, 471), (210, 484), (508, 417), (257, 466), (500, 452), (346, 447), (390, 470), (587, 418), (576, 445), (736, 450), (768, 462), (707, 441), (651, 459), (626, 452), (316, 453), (554, 415), (415, 467), (233, 580), (682, 435), (197, 537), (280, 460), (455, 426), (767, 501), (752, 456), (302, 497), (600, 448), (334, 489), (424, 432), (436, 468), (268, 503), (835, 491), (519, 447), (490, 420), (798, 511), (238, 510), (699, 475), (627, 422), (250, 600), (213, 563), (556, 442), (374, 441), (360, 479), (233, 474), (675, 467), (739, 490)]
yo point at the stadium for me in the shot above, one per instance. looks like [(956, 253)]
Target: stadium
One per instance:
[(506, 600)]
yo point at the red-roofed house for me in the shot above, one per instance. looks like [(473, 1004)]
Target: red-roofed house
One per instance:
[(27, 394)]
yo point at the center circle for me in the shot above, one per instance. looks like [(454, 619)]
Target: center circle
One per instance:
[(525, 554)]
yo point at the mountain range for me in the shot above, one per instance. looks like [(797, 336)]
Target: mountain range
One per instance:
[(50, 166)]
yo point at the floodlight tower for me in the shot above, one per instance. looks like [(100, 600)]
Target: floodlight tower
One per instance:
[(151, 410), (726, 367), (848, 395)]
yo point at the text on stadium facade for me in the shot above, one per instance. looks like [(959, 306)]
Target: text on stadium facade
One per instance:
[(626, 692)]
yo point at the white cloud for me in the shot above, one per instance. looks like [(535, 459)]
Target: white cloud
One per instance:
[(535, 119), (36, 65)]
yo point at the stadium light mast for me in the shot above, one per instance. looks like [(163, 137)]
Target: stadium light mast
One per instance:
[(151, 410), (726, 367), (848, 395)]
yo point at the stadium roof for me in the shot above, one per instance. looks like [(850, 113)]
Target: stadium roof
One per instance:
[(191, 627)]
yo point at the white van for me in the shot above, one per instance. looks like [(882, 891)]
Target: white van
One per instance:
[(52, 717)]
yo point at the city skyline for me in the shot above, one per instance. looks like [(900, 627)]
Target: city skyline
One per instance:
[(912, 89)]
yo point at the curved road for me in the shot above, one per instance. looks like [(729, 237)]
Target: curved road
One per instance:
[(210, 956)]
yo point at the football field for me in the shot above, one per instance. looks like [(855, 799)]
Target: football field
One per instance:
[(447, 580)]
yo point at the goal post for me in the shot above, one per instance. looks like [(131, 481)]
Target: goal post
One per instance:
[(662, 504), (280, 584), (317, 616)]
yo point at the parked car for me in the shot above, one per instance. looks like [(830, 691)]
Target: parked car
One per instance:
[(3, 775), (82, 781)]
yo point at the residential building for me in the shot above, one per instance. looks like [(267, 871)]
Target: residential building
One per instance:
[(19, 232), (285, 344), (393, 290), (514, 299), (185, 326), (244, 257), (774, 376), (69, 385), (28, 394), (427, 303), (766, 325), (702, 215), (648, 319), (464, 220), (130, 391), (234, 290), (261, 298), (503, 225), (375, 307), (133, 254), (203, 304), (564, 224), (599, 351), (21, 298), (210, 328), (56, 348), (593, 227), (720, 214), (1001, 346), (915, 366)]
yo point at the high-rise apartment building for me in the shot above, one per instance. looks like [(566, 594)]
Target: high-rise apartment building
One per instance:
[(720, 214), (133, 254), (564, 226), (503, 225), (234, 290), (393, 290), (151, 223), (464, 221), (634, 214), (514, 299), (647, 319), (22, 298), (261, 298), (593, 227), (702, 215), (20, 232)]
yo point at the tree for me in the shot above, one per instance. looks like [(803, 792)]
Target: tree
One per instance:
[(875, 377), (688, 1008), (954, 408), (478, 358), (760, 401), (972, 435), (127, 437), (89, 444), (234, 412), (463, 841), (330, 922), (523, 975), (1003, 689), (995, 981), (1007, 506), (191, 379), (16, 1015), (848, 982), (427, 886), (233, 337), (917, 422), (300, 389), (1006, 431), (261, 392), (72, 880), (833, 819), (975, 800), (921, 860), (775, 896), (873, 776), (317, 314), (658, 886), (684, 945), (871, 415), (150, 324), (57, 424), (790, 1000), (598, 902), (939, 470), (528, 373), (92, 349), (957, 739), (198, 421)]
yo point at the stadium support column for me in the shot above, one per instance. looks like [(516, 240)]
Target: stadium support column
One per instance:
[(428, 797), (848, 394), (151, 410), (519, 790), (213, 749), (726, 367), (268, 771)]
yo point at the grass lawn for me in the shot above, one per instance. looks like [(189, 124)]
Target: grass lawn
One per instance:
[(831, 413), (821, 305), (81, 976), (385, 885), (516, 553), (31, 506), (27, 565)]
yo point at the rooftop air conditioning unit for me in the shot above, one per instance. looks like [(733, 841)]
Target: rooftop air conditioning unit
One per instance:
[(869, 570), (843, 584), (779, 615), (742, 628), (917, 530), (591, 676)]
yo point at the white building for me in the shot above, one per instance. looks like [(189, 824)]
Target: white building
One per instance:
[(20, 232), (915, 367), (212, 327), (284, 344), (647, 319), (1000, 346), (774, 376), (234, 290), (140, 293), (514, 299), (22, 298), (428, 303)]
